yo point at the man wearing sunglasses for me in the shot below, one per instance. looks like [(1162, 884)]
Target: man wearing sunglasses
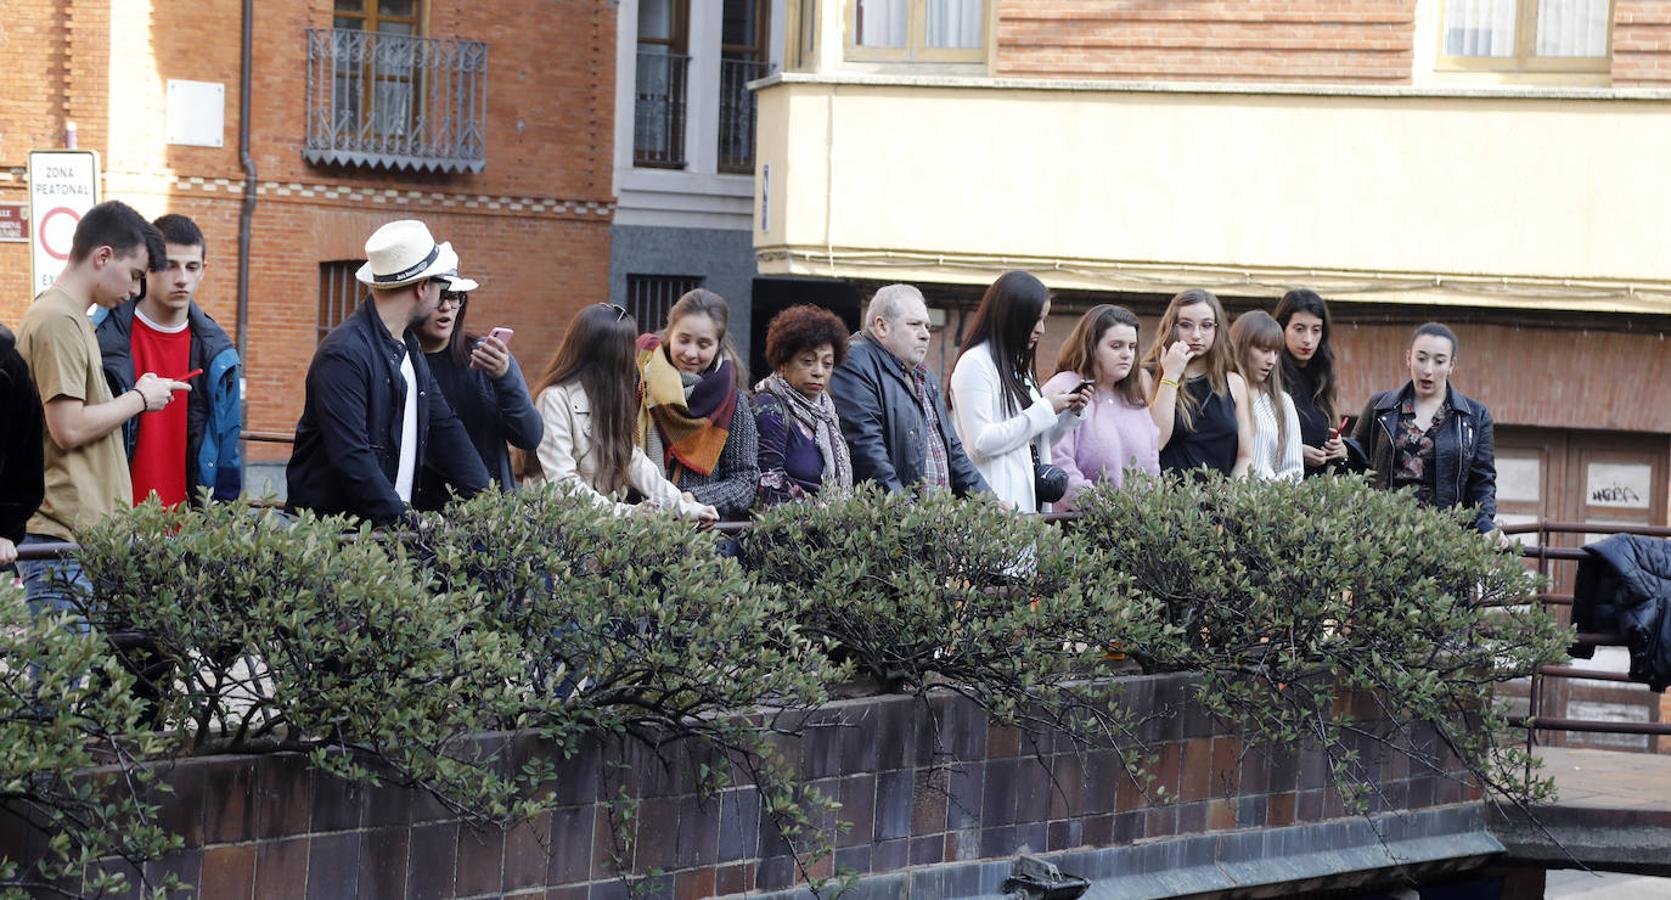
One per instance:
[(374, 416)]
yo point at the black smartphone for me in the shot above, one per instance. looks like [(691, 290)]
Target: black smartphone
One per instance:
[(1085, 385)]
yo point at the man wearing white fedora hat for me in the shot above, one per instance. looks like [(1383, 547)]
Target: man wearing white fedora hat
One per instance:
[(374, 416)]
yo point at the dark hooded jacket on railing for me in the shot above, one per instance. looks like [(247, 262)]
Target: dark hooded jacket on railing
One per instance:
[(1624, 587)]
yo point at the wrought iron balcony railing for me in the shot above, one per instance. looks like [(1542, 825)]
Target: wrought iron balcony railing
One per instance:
[(736, 113), (658, 132), (396, 101)]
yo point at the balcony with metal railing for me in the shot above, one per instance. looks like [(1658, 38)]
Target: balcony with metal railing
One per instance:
[(394, 101), (737, 113), (659, 110)]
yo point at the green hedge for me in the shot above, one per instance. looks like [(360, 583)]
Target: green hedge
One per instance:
[(381, 655)]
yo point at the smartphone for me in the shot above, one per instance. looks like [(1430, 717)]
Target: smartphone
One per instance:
[(1085, 385), (502, 334), (1339, 429)]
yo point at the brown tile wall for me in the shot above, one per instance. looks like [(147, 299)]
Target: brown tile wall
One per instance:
[(271, 827)]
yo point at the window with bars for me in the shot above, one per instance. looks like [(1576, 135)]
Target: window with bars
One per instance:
[(649, 297), (1527, 35), (339, 293), (745, 35), (658, 134)]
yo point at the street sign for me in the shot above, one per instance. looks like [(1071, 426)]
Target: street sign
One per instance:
[(13, 228), (63, 185)]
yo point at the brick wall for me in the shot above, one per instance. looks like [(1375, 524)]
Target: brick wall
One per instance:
[(533, 228), (270, 828), (1207, 40), (1641, 43)]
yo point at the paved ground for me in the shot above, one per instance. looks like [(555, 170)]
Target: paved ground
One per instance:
[(1608, 780), (1573, 885)]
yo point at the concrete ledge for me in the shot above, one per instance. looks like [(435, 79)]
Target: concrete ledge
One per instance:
[(1615, 840), (1253, 862)]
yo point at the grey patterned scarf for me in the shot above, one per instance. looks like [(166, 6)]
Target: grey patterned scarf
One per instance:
[(819, 416)]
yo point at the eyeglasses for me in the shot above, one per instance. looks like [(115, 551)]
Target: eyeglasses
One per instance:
[(620, 311), (456, 299)]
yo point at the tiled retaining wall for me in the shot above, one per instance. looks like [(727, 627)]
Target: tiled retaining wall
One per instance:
[(271, 828)]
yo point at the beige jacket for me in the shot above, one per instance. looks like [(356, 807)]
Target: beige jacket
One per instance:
[(566, 457)]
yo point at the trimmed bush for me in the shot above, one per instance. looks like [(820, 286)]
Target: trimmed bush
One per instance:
[(279, 634), (1295, 600), (935, 593), (65, 708)]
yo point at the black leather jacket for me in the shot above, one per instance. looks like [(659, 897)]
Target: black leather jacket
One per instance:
[(348, 440), (884, 424), (1464, 453)]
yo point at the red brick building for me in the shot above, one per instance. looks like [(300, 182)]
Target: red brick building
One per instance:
[(491, 121)]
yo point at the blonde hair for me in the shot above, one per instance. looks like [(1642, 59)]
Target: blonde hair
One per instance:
[(1220, 361)]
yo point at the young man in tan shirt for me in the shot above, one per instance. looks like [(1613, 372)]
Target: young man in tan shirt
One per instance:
[(86, 469)]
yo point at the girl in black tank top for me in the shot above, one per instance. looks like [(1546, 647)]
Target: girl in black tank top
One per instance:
[(1200, 403)]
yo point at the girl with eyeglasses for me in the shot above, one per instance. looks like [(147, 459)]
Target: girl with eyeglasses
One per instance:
[(1199, 402), (588, 399), (484, 386)]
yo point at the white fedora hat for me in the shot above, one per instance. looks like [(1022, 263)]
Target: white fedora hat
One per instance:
[(403, 252), (454, 282)]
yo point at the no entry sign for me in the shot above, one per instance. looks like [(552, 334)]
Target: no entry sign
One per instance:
[(63, 184)]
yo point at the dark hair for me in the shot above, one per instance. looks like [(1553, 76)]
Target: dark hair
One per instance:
[(801, 328), (177, 229), (156, 256), (112, 224), (461, 343), (705, 302), (1436, 330), (1004, 322), (1321, 368), (599, 350), (1257, 330), (1079, 352)]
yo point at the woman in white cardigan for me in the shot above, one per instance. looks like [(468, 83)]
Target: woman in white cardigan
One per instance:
[(1259, 342), (1001, 416), (588, 400)]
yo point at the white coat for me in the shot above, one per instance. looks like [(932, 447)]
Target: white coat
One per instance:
[(997, 441), (566, 456)]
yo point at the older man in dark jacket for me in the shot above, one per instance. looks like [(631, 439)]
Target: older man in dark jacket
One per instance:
[(893, 415), (374, 414)]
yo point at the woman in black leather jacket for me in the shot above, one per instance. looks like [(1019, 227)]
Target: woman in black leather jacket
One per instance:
[(1429, 437)]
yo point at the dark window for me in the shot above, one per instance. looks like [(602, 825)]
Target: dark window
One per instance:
[(649, 297), (658, 133), (745, 36), (339, 293)]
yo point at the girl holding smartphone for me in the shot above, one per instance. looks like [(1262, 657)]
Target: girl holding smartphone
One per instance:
[(1005, 421), (1199, 403), (1118, 433), (1309, 377)]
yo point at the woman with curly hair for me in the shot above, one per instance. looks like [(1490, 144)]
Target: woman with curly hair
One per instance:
[(802, 452)]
